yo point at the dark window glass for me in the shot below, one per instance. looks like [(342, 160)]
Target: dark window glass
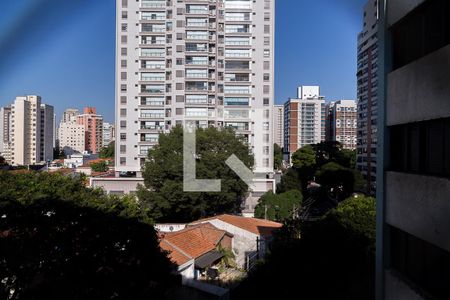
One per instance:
[(423, 264)]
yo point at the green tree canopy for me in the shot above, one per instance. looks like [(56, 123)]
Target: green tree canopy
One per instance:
[(61, 240), (100, 166), (289, 181), (163, 175), (279, 207), (108, 151), (277, 157), (338, 181)]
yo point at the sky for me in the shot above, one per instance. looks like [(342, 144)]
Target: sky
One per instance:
[(64, 50)]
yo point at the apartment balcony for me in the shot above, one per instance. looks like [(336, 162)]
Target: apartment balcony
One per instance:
[(153, 4)]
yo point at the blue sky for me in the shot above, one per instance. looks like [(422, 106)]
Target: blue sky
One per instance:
[(64, 50)]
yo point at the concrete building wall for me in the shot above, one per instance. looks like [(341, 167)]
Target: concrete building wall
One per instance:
[(117, 186), (342, 123), (93, 128), (5, 128)]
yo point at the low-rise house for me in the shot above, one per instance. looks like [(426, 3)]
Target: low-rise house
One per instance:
[(201, 243), (251, 236)]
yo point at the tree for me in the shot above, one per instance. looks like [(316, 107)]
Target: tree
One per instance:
[(163, 176), (58, 153), (338, 181), (108, 151), (61, 240), (304, 158), (277, 157), (289, 181), (334, 259), (279, 207), (100, 166), (3, 161)]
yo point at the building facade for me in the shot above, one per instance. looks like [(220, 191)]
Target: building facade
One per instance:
[(31, 131), (71, 137), (367, 84), (413, 217), (278, 125), (70, 114), (93, 129), (341, 123), (304, 119), (5, 132), (205, 63), (108, 133), (47, 140)]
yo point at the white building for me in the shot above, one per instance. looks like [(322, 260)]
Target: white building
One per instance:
[(5, 133), (108, 133), (71, 137), (304, 119), (31, 131), (278, 125), (208, 63), (70, 114)]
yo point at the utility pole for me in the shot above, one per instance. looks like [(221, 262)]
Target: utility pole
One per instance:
[(265, 212)]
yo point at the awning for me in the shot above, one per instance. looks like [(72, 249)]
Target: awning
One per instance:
[(207, 259)]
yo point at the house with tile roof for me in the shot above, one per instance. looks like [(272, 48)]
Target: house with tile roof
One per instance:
[(251, 236), (194, 248)]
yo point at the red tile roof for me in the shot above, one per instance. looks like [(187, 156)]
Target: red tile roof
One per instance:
[(191, 242), (254, 225)]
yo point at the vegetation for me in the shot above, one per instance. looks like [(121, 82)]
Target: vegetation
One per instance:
[(58, 153), (108, 151), (163, 176), (334, 259), (289, 181), (101, 166), (3, 161), (277, 157), (61, 240), (279, 207)]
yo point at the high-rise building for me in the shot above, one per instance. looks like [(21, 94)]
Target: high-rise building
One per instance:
[(341, 123), (304, 119), (71, 137), (93, 129), (5, 132), (108, 133), (413, 183), (47, 140), (31, 131), (367, 85), (278, 125), (206, 63), (70, 114)]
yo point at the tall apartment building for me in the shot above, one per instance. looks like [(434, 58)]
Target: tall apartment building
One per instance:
[(278, 125), (71, 137), (31, 135), (47, 128), (341, 123), (93, 129), (304, 119), (201, 62), (70, 114), (5, 132), (367, 84), (414, 160), (108, 133)]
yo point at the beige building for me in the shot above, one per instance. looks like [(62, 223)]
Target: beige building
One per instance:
[(31, 131), (341, 123), (278, 125), (71, 137)]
